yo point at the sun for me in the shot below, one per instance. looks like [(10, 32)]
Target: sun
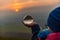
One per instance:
[(17, 10), (16, 5)]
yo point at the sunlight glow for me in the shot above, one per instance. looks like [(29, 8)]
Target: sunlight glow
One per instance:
[(17, 10), (16, 5)]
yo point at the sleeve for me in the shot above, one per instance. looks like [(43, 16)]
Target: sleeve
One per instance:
[(35, 30), (43, 34)]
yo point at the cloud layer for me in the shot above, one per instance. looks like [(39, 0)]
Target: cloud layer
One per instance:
[(19, 4)]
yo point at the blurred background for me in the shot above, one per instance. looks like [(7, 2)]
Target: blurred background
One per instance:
[(12, 13)]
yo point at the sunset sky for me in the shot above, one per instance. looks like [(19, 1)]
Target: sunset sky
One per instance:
[(19, 4)]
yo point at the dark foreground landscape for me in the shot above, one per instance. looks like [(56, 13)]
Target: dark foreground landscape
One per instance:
[(15, 36)]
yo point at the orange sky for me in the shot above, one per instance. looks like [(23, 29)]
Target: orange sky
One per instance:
[(19, 4)]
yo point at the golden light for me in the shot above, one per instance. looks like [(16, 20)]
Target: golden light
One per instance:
[(17, 6), (17, 10)]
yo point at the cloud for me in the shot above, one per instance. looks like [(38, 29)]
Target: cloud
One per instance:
[(19, 4)]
